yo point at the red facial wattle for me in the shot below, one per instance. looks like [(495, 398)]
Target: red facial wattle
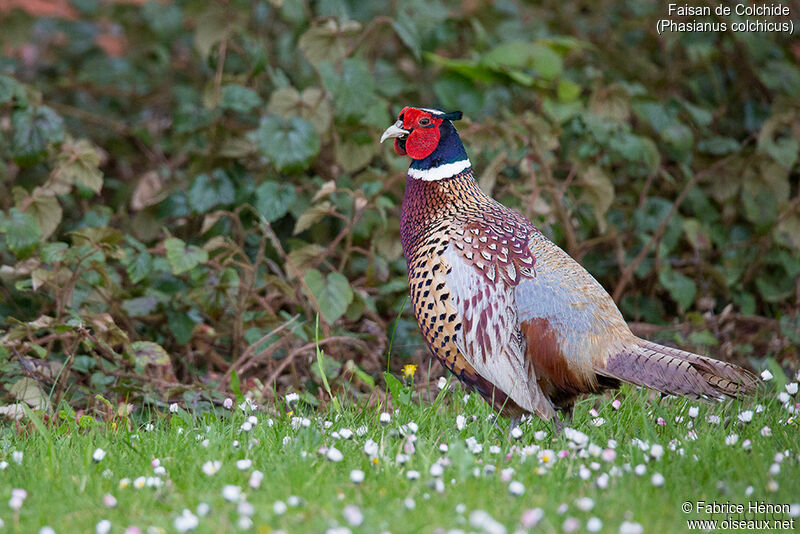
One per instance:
[(422, 142), (423, 139)]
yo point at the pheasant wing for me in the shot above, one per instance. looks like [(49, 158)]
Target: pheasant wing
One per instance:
[(481, 275)]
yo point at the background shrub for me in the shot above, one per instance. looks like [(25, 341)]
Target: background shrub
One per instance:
[(186, 185)]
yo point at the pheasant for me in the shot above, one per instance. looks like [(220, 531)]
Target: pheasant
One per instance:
[(506, 310)]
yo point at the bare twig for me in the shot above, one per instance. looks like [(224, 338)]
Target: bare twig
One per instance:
[(250, 351), (308, 346)]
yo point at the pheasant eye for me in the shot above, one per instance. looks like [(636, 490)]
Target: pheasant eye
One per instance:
[(424, 121)]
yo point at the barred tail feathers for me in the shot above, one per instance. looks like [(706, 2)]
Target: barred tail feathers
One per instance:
[(677, 372)]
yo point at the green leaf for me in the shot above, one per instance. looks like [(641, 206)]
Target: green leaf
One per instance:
[(764, 188), (524, 54), (212, 26), (393, 384), (332, 293), (137, 261), (164, 20), (775, 139), (236, 387), (470, 69), (681, 288), (182, 258), (274, 200), (28, 391), (34, 130), (238, 98), (45, 208), (354, 152), (207, 191), (182, 326), (140, 306), (408, 32), (149, 353), (312, 105), (787, 232), (303, 258), (353, 368), (327, 367), (22, 232), (11, 89), (288, 144), (312, 215), (53, 252), (400, 394), (353, 88), (718, 145), (775, 288), (599, 192), (568, 91), (326, 41), (78, 163)]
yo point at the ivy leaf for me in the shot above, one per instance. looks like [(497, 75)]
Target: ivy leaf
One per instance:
[(137, 260), (718, 145), (599, 192), (182, 326), (209, 191), (787, 232), (28, 391), (681, 288), (22, 231), (53, 252), (289, 144), (44, 206), (274, 200), (149, 353), (302, 258), (326, 41), (239, 98), (776, 140), (140, 306), (332, 293), (182, 258), (164, 20), (213, 26), (311, 216), (78, 162), (34, 130), (764, 188), (408, 32), (353, 89), (311, 105), (354, 152), (11, 89)]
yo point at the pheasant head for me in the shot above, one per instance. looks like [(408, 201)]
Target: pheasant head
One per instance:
[(430, 139)]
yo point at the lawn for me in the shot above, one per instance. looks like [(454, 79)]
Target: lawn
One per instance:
[(627, 464)]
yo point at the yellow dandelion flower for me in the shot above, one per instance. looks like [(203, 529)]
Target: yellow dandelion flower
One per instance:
[(409, 370), (375, 461)]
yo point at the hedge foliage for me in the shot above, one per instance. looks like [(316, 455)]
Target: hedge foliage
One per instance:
[(187, 185)]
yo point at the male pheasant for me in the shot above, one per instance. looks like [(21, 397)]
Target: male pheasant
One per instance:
[(505, 309)]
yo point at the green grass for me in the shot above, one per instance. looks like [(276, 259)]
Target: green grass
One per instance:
[(66, 488)]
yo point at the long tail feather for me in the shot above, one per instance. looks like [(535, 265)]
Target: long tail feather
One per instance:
[(678, 372)]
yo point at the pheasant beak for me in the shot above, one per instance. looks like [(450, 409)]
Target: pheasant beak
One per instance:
[(395, 130)]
